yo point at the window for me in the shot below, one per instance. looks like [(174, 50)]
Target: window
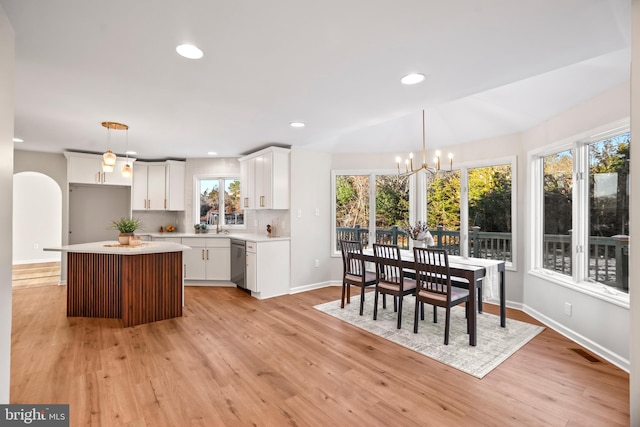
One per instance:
[(382, 203), (443, 210), (608, 211), (557, 211), (584, 210), (216, 206), (371, 204)]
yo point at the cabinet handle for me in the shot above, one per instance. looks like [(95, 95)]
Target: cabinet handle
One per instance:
[(184, 273), (262, 201), (207, 254), (98, 177), (165, 203), (203, 254), (246, 202)]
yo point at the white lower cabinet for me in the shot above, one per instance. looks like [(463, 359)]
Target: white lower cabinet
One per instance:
[(208, 259), (268, 268)]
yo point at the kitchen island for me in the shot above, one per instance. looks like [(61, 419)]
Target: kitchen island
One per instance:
[(137, 284)]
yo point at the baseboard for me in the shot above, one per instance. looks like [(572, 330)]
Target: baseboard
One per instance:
[(36, 261), (609, 356), (210, 283), (313, 286)]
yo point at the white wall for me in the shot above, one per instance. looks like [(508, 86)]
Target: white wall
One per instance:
[(7, 65), (37, 217), (311, 233)]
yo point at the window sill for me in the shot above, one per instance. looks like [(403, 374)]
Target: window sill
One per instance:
[(596, 290)]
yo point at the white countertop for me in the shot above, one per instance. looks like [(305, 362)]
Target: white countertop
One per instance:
[(113, 247), (249, 237)]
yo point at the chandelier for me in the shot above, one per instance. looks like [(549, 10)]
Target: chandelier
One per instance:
[(408, 163), (109, 158)]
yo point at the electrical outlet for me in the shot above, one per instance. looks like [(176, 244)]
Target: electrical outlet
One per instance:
[(317, 263), (35, 246), (567, 309), (299, 213), (317, 211)]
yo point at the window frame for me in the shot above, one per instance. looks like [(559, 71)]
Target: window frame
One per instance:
[(196, 199), (418, 201), (371, 173), (579, 279)]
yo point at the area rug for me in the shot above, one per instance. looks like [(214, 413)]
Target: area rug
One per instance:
[(494, 345)]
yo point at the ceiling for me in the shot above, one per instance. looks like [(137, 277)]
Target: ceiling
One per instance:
[(492, 67)]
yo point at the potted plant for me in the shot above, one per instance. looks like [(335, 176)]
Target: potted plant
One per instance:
[(200, 228), (126, 227)]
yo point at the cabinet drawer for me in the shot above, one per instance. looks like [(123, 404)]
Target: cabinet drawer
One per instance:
[(207, 242), (218, 242)]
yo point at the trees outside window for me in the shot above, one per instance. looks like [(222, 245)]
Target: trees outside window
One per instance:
[(584, 232), (377, 207), (216, 207)]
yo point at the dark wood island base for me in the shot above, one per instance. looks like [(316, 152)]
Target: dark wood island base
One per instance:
[(137, 287)]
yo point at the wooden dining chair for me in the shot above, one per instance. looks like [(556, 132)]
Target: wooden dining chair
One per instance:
[(354, 271), (390, 278), (433, 286)]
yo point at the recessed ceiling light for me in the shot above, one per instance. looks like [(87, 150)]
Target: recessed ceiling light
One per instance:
[(411, 79), (18, 140), (297, 124), (189, 51), (212, 153)]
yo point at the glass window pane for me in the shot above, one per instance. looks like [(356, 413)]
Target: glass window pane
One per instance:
[(609, 212), (392, 209), (209, 200), (233, 213), (352, 208), (490, 212), (557, 210), (443, 210)]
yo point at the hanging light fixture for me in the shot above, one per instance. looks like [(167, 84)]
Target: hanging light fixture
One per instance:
[(127, 169), (109, 158), (408, 163)]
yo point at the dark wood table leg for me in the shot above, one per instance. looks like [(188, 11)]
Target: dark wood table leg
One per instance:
[(503, 309), (473, 309)]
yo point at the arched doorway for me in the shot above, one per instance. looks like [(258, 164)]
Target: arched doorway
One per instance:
[(37, 218)]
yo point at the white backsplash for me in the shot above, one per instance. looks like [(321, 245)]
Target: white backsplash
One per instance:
[(153, 220)]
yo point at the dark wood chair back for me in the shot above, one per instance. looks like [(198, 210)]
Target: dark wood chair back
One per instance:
[(388, 265), (354, 271), (432, 271), (352, 261)]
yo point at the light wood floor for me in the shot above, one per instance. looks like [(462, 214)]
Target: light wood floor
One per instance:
[(34, 275), (233, 360)]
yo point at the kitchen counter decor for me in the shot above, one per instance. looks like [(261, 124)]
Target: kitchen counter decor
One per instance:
[(126, 227)]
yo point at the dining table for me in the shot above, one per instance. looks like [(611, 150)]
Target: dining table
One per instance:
[(472, 270)]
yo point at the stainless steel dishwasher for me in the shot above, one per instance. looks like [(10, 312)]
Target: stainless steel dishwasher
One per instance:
[(238, 263)]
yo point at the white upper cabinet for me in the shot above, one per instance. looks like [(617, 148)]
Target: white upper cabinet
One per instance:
[(264, 177), (87, 169), (158, 186)]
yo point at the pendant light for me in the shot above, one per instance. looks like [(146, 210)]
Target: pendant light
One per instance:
[(109, 158), (127, 169)]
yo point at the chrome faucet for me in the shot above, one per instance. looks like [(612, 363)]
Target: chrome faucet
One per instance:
[(214, 219)]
